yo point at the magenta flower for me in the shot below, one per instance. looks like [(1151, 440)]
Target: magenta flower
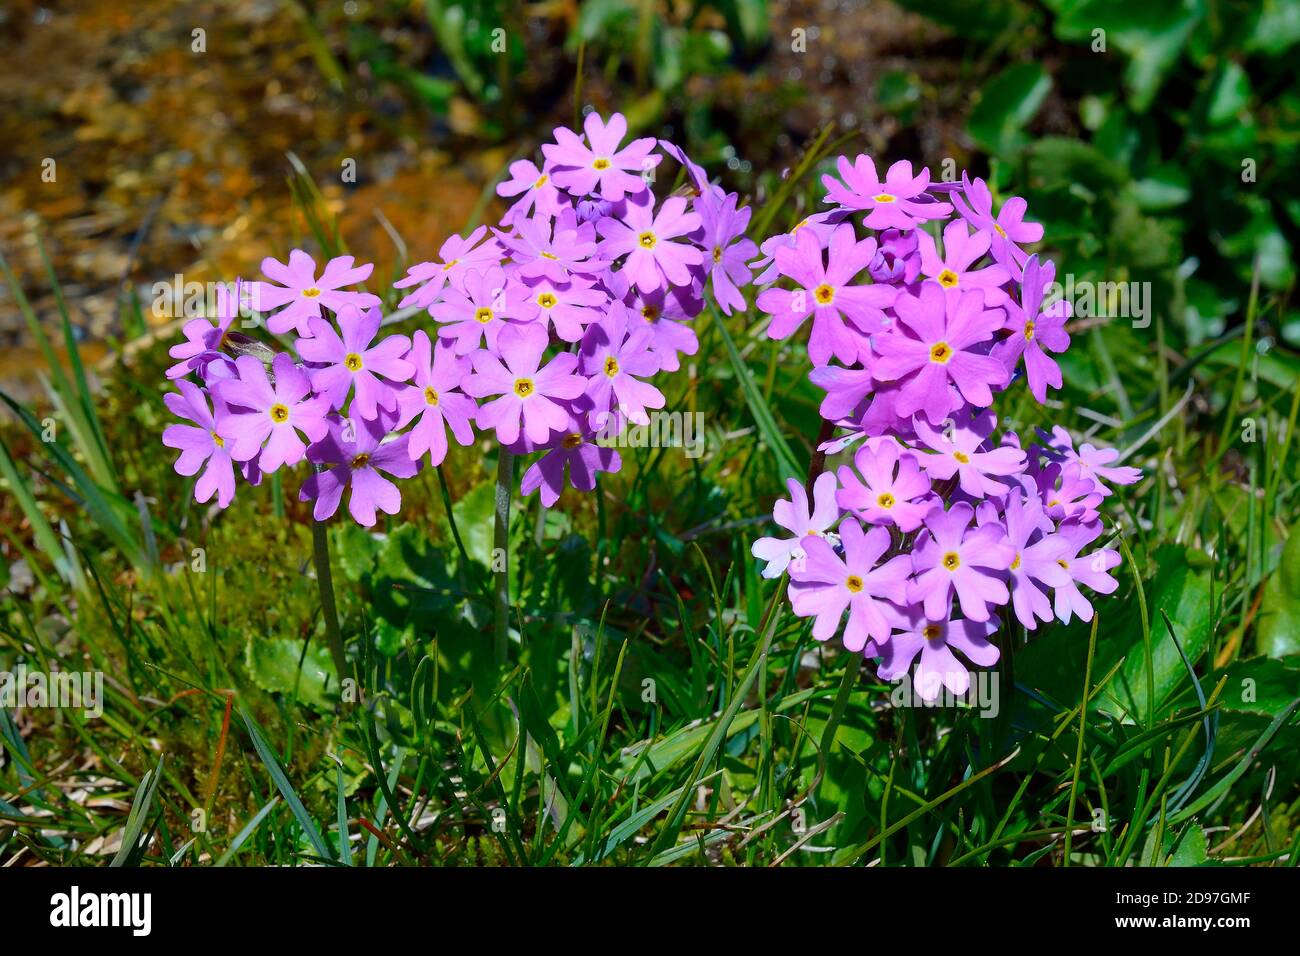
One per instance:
[(434, 400), (843, 313), (898, 260), (614, 352), (935, 641), (823, 585), (1035, 331), (899, 202), (890, 489), (275, 414), (795, 516), (667, 313), (1066, 493), (477, 315), (960, 451), (527, 390), (456, 256), (846, 389), (545, 248), (200, 442), (952, 270), (933, 351), (1007, 230), (1094, 463), (1089, 569), (1035, 565), (821, 225), (303, 294), (358, 458), (535, 188), (573, 448), (726, 248), (568, 307), (598, 165), (351, 360), (950, 558), (698, 177), (653, 259), (205, 338)]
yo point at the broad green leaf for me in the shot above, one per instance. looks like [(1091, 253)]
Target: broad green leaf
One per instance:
[(1278, 633), (278, 665), (1007, 104)]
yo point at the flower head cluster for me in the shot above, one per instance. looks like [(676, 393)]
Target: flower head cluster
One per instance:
[(545, 329), (582, 294), (924, 305)]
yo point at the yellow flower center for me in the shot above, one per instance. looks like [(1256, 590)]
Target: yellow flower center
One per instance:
[(647, 240), (853, 583), (483, 315), (947, 278), (962, 457), (717, 254), (352, 361), (1016, 563), (951, 561), (448, 267), (360, 461), (572, 441), (611, 366), (885, 197), (931, 632), (524, 387), (549, 255), (1029, 331), (600, 163), (279, 413), (824, 294), (218, 440), (311, 293), (431, 396), (1063, 563), (546, 300), (649, 313), (886, 500), (940, 352), (1001, 232), (541, 181)]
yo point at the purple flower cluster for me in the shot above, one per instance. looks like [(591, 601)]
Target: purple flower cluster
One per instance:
[(547, 329), (923, 306)]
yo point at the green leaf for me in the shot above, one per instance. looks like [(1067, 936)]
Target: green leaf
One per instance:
[(1230, 95), (1182, 590), (1009, 101), (1152, 34), (1278, 634), (131, 848), (1259, 685), (1057, 162), (281, 781), (279, 666)]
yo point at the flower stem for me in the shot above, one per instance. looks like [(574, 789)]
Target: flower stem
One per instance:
[(320, 553), (501, 552)]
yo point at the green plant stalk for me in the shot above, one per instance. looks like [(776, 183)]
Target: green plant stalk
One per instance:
[(501, 553), (320, 554), (1078, 751)]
